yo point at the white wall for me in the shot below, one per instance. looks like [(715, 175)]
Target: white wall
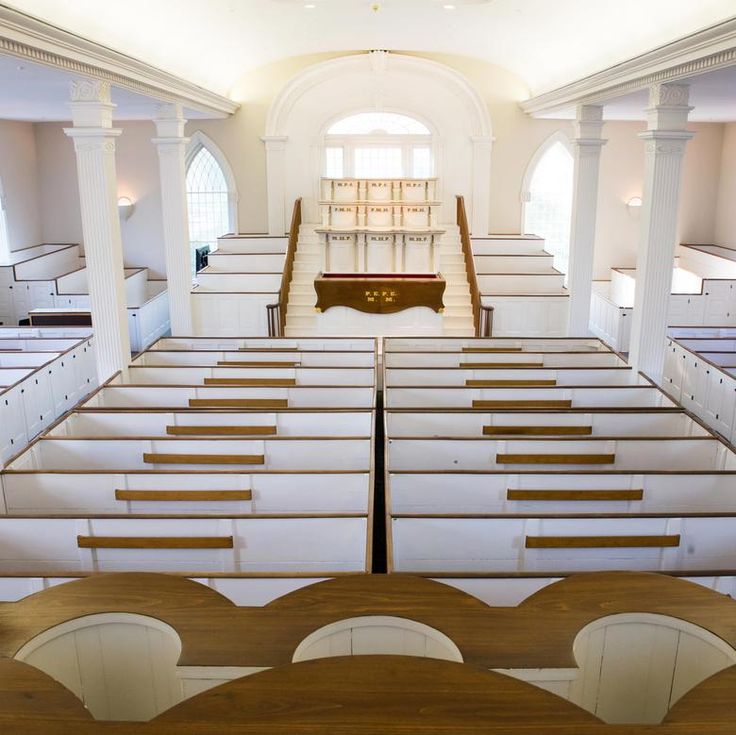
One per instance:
[(19, 173), (725, 228), (138, 178)]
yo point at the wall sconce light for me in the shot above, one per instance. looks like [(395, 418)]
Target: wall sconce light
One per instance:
[(125, 207), (634, 203)]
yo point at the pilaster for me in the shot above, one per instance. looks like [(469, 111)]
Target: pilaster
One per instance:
[(587, 146), (276, 182), (94, 145), (479, 217), (665, 140), (171, 146)]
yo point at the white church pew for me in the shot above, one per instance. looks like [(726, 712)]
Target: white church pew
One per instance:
[(255, 358), (225, 313), (9, 376), (714, 332), (529, 263), (208, 397), (551, 282), (276, 344), (504, 244), (244, 244), (556, 493), (90, 423), (548, 545), (92, 492), (314, 544), (170, 453), (501, 359), (471, 344), (40, 397), (297, 376), (246, 263), (643, 423), (210, 280), (22, 359), (526, 398), (499, 377), (511, 455)]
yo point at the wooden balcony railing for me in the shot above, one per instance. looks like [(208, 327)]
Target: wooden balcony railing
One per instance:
[(482, 315), (277, 312)]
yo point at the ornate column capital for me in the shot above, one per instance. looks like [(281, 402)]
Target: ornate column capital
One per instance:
[(668, 106), (88, 139), (90, 103), (588, 123), (170, 122)]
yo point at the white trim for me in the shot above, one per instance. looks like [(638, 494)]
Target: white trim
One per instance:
[(709, 49), (557, 137), (278, 113), (29, 38), (199, 140)]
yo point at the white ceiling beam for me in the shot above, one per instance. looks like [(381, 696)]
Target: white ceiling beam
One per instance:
[(704, 51), (26, 37)]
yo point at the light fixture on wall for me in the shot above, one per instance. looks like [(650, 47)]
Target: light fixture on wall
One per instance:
[(634, 203), (125, 207)]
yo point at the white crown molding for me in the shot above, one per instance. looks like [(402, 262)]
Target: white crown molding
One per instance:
[(707, 50), (26, 37)]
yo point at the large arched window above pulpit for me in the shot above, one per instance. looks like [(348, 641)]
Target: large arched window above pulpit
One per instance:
[(378, 145)]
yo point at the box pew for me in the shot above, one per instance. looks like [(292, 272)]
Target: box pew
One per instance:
[(220, 281), (555, 493), (170, 453), (37, 344), (645, 423), (277, 344), (21, 359), (196, 545), (9, 376), (255, 358), (499, 360), (266, 376), (510, 377), (493, 344), (716, 344), (548, 545), (511, 455), (526, 398), (246, 243), (209, 397), (701, 332), (214, 424), (195, 491), (245, 262), (719, 359)]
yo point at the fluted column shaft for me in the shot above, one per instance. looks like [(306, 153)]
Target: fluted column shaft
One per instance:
[(587, 146), (171, 145), (94, 144), (665, 141)]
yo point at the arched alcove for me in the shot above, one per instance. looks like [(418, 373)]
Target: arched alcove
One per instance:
[(212, 196), (547, 197), (378, 81), (377, 634), (635, 666), (122, 666)]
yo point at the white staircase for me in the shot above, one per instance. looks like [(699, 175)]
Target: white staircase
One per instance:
[(301, 318), (516, 277)]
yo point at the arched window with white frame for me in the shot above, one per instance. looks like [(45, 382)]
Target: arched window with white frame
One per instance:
[(547, 196), (376, 145), (211, 194), (4, 233)]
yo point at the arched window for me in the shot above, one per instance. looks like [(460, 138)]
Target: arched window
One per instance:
[(210, 195), (377, 145), (4, 236), (548, 200)]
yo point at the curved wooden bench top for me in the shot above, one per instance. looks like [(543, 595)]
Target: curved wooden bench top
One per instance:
[(539, 633)]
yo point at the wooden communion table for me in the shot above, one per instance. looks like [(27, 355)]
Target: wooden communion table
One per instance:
[(380, 293)]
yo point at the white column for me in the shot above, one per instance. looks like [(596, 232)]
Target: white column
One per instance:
[(587, 146), (94, 143), (171, 145), (480, 205), (665, 140), (276, 183)]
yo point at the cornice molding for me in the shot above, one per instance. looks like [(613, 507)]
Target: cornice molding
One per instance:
[(26, 37), (709, 49)]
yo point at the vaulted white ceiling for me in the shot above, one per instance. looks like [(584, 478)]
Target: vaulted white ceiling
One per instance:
[(546, 42)]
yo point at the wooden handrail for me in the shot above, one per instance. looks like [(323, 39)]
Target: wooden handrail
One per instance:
[(277, 320), (462, 223)]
